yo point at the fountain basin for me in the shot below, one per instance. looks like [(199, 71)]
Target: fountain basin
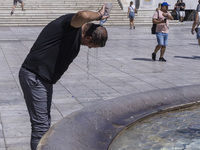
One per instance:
[(94, 127)]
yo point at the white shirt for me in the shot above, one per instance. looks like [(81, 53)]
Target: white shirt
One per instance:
[(132, 8)]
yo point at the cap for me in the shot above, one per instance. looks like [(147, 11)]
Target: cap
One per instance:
[(165, 4)]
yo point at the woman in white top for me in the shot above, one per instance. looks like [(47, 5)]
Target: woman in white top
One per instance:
[(131, 14), (197, 23)]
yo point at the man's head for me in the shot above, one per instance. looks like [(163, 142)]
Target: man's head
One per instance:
[(94, 35), (181, 1), (164, 6)]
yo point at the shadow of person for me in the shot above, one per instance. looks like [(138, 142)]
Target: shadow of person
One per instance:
[(142, 59), (185, 57)]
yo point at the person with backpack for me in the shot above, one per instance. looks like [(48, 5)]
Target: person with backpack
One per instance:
[(131, 14), (161, 18)]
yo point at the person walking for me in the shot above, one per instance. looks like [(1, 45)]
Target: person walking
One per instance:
[(161, 18), (177, 9), (50, 56), (131, 14), (182, 10), (196, 23), (15, 4)]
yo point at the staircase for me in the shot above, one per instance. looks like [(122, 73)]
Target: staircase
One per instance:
[(41, 12)]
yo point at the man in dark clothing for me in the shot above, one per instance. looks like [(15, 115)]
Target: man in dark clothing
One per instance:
[(182, 10), (54, 50)]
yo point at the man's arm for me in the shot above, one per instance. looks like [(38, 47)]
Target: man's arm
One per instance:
[(168, 16), (83, 17), (155, 21)]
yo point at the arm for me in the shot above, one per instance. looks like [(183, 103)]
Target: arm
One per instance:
[(83, 17), (184, 6), (195, 23), (128, 11), (168, 16), (155, 21)]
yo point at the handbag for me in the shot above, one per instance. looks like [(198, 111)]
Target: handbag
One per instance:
[(153, 28)]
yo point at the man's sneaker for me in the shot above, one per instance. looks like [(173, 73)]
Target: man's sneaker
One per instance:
[(162, 59), (154, 56), (12, 12)]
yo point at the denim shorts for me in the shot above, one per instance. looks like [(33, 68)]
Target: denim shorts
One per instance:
[(15, 2), (132, 15), (198, 33), (162, 38)]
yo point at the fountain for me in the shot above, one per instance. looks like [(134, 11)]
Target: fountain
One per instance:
[(95, 127)]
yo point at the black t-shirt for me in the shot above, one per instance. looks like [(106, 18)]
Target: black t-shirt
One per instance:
[(182, 4), (54, 50)]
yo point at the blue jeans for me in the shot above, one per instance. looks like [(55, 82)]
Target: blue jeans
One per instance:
[(198, 33), (38, 97), (162, 38), (178, 14)]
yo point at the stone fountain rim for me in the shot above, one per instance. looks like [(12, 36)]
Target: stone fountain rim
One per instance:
[(94, 127)]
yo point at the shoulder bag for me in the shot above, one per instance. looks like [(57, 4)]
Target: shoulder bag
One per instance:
[(153, 28)]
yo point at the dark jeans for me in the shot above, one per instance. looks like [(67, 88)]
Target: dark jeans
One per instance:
[(38, 97)]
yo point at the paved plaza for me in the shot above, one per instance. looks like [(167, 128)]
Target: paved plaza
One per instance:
[(122, 67)]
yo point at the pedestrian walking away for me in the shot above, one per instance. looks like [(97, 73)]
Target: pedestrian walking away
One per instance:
[(161, 18), (131, 14), (182, 10), (15, 4), (54, 50), (196, 23)]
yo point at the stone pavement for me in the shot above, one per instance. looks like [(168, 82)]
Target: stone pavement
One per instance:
[(123, 67)]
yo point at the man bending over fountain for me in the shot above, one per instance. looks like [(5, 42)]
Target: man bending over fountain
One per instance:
[(53, 51)]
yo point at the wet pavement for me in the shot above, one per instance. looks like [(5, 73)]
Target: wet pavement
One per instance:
[(122, 67)]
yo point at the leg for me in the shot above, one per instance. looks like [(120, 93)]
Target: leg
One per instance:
[(131, 22), (22, 5), (199, 41), (177, 14), (155, 51), (162, 51), (165, 43), (157, 48), (38, 96), (13, 8)]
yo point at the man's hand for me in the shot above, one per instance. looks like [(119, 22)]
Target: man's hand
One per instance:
[(83, 17), (102, 12), (165, 14)]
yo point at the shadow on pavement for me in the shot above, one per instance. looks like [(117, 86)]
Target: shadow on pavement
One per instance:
[(143, 59), (185, 57)]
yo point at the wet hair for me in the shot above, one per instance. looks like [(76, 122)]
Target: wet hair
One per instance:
[(97, 32)]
